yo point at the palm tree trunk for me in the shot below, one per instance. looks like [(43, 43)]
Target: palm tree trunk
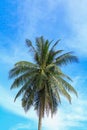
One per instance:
[(40, 120)]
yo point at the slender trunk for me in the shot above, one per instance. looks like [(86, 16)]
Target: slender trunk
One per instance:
[(40, 120)]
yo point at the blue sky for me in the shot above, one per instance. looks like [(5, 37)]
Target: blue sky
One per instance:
[(54, 19)]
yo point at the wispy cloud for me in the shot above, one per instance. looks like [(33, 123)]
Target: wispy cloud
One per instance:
[(20, 126), (73, 116), (36, 19), (32, 16), (12, 51), (77, 19), (7, 101)]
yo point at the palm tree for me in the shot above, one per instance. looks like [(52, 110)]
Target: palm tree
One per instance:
[(41, 83)]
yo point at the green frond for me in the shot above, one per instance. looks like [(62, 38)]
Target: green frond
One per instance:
[(57, 79), (56, 93), (14, 72), (21, 68), (68, 86), (28, 99), (36, 101), (39, 44), (61, 74), (55, 53), (52, 98), (65, 76), (60, 87), (41, 55), (63, 91), (25, 64), (29, 44), (55, 45), (53, 69), (66, 58), (54, 104), (21, 91), (39, 103), (45, 53), (40, 80), (50, 42), (52, 55), (22, 79)]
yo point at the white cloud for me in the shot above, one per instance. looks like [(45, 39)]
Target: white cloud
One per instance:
[(35, 19), (7, 101), (77, 20), (69, 116), (20, 126), (33, 13), (11, 52)]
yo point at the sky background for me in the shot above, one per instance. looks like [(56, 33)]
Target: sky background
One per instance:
[(54, 19)]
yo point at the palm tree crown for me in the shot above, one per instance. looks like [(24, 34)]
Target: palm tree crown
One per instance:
[(42, 82)]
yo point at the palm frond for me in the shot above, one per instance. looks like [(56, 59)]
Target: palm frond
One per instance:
[(27, 100), (22, 90), (55, 53), (22, 79), (39, 44), (63, 91), (21, 67), (29, 44), (61, 88), (55, 45), (25, 64), (66, 58), (68, 86)]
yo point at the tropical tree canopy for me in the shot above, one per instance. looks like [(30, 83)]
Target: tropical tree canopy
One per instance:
[(42, 82)]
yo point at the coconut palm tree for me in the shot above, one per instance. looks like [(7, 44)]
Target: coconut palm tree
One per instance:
[(42, 82)]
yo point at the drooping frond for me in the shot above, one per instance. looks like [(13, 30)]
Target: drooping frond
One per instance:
[(54, 99), (22, 90), (28, 99), (52, 56), (68, 86), (21, 68), (55, 53), (65, 59), (61, 87), (25, 64), (22, 79)]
